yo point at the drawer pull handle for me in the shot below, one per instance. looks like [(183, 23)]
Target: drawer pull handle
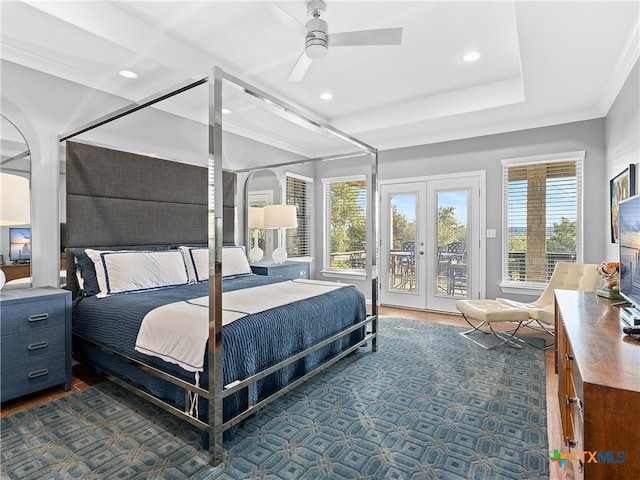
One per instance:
[(569, 357), (37, 346), (39, 317), (575, 400), (38, 373)]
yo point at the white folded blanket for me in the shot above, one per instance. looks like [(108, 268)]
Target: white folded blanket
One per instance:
[(178, 332)]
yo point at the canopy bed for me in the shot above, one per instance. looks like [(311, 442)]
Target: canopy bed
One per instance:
[(133, 215)]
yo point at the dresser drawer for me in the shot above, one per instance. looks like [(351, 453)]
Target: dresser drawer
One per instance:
[(27, 346), (19, 378), (32, 315)]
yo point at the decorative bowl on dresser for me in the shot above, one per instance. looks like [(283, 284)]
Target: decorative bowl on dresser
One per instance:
[(35, 331)]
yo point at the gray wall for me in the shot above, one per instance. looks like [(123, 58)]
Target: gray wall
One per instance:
[(485, 153), (622, 142)]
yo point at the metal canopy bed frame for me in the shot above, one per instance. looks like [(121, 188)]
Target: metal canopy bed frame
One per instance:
[(213, 430)]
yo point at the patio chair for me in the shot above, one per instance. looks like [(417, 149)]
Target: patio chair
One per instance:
[(540, 313)]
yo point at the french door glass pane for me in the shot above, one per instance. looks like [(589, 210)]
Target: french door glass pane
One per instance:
[(402, 241), (451, 254)]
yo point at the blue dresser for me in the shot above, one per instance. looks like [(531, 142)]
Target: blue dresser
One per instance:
[(35, 330)]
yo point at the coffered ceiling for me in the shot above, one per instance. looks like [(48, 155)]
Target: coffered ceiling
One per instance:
[(542, 62)]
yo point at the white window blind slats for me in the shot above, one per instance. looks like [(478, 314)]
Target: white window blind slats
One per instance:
[(298, 193), (542, 217)]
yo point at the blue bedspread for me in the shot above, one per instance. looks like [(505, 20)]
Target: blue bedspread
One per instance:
[(251, 343)]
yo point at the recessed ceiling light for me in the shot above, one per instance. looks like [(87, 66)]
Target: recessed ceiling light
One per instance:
[(225, 110), (326, 96), (471, 57), (127, 74)]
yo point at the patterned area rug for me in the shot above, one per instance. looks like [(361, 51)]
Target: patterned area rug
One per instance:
[(428, 405)]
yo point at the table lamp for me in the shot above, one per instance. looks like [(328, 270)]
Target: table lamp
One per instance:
[(280, 217), (255, 220)]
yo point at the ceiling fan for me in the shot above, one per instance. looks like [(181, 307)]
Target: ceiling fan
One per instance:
[(318, 40)]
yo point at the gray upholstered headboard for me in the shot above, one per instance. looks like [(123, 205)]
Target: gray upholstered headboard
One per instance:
[(117, 198), (120, 198)]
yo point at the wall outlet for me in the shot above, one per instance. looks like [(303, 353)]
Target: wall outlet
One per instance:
[(491, 233)]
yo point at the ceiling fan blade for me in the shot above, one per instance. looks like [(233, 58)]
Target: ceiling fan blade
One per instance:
[(383, 36), (300, 68)]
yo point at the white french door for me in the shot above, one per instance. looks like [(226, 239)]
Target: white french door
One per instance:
[(431, 250), (403, 236)]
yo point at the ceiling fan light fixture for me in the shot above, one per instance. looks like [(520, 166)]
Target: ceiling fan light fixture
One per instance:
[(316, 51), (316, 44)]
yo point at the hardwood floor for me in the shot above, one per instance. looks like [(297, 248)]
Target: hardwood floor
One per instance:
[(83, 377)]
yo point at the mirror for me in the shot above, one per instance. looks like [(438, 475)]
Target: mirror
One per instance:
[(262, 188), (15, 215)]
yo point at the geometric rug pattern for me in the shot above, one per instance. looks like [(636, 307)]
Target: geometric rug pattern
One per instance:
[(428, 405)]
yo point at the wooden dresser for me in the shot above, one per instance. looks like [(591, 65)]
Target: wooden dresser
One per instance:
[(598, 388), (13, 271)]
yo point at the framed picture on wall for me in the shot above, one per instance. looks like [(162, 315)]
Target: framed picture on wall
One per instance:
[(621, 187)]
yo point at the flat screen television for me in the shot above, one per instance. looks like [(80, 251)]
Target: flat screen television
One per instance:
[(629, 244), (20, 244)]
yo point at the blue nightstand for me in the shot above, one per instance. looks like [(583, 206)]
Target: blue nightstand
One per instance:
[(289, 270), (35, 330)]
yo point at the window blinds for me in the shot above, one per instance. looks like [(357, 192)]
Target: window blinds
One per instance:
[(299, 194), (542, 217), (345, 224)]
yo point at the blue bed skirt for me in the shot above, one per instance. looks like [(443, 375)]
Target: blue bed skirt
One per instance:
[(250, 344)]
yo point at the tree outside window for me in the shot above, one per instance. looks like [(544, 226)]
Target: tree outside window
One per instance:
[(346, 222)]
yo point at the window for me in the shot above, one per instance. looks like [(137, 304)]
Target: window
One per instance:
[(542, 216), (345, 226), (299, 194)]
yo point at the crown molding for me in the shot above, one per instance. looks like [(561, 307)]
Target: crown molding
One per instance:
[(628, 57)]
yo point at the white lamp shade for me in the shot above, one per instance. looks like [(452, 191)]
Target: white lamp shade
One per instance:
[(280, 216), (16, 203), (256, 217)]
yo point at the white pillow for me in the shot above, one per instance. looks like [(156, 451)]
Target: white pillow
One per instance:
[(128, 270), (234, 262), (197, 261)]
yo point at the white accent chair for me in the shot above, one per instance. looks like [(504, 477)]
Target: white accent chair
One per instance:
[(566, 276)]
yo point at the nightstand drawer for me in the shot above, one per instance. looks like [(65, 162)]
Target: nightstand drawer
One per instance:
[(20, 379), (28, 346), (292, 271), (33, 315), (289, 270)]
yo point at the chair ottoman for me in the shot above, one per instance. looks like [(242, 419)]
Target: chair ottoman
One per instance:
[(488, 312)]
